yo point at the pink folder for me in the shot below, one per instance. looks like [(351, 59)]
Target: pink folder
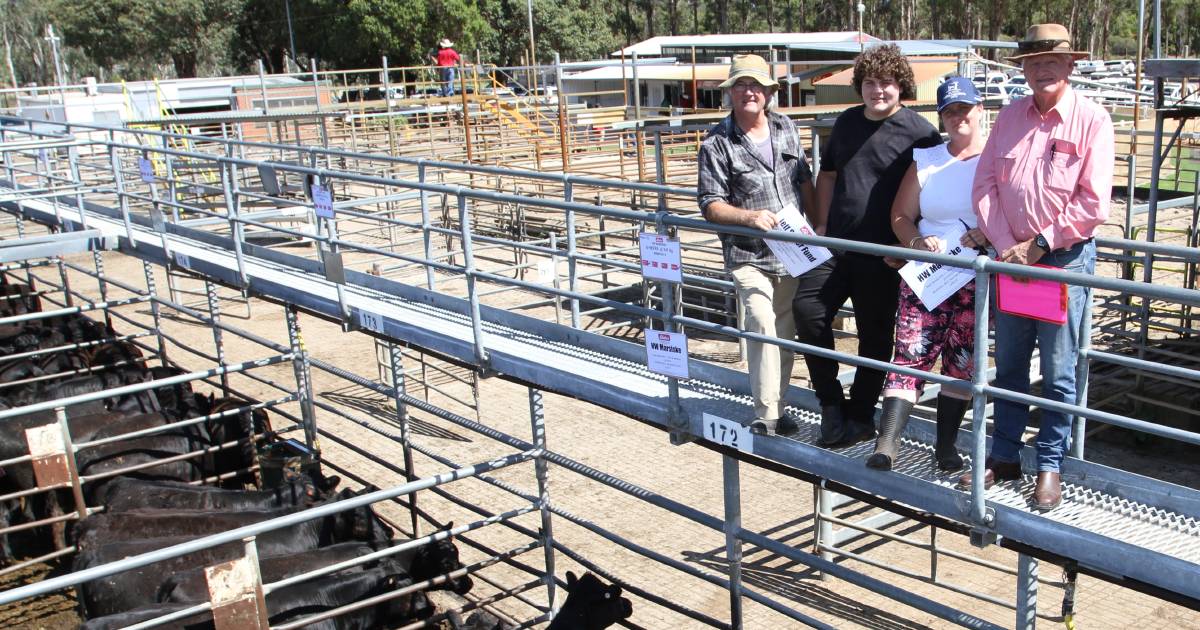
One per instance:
[(1043, 300)]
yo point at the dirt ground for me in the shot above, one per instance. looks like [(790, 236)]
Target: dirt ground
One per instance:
[(641, 456)]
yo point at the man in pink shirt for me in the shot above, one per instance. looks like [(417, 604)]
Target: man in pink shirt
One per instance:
[(1041, 189)]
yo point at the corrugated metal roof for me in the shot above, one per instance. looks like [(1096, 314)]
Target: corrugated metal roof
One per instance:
[(210, 118), (922, 72), (654, 45), (909, 47), (663, 72)]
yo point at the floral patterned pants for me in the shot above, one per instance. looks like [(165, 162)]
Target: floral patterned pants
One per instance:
[(923, 336)]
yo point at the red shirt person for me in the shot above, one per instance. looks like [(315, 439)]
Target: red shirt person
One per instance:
[(447, 60)]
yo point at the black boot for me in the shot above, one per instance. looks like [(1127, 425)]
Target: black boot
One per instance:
[(950, 412), (832, 425), (892, 421)]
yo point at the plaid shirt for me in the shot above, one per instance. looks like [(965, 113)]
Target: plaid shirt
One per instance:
[(733, 171)]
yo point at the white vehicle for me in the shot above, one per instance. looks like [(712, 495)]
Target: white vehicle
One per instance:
[(1018, 80), (994, 93), (1017, 91), (1088, 66), (1124, 66)]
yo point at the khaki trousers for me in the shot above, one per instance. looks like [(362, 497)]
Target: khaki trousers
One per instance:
[(766, 306)]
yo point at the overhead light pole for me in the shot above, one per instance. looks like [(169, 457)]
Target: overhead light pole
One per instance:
[(287, 8), (532, 50), (861, 44)]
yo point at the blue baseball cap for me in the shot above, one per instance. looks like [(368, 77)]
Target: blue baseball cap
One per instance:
[(957, 90)]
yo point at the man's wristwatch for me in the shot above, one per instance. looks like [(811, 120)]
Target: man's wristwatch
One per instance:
[(1040, 241)]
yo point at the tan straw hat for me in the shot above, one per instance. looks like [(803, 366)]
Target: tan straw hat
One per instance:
[(446, 43), (751, 66), (1047, 39)]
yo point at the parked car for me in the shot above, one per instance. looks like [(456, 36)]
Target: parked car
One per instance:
[(994, 94), (1123, 66), (1017, 91)]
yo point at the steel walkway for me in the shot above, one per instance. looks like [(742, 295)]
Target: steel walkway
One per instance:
[(1112, 522)]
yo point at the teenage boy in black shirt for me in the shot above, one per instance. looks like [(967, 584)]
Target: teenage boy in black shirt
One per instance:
[(864, 161)]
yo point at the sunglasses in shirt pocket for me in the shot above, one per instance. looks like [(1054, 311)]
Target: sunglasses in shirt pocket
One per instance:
[(1063, 167)]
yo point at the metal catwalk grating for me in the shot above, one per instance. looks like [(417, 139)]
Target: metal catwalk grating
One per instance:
[(1095, 526)]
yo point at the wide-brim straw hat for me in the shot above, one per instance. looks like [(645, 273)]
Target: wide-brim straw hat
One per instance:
[(445, 43), (1047, 39), (751, 66)]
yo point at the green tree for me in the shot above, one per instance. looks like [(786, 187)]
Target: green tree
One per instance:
[(192, 35)]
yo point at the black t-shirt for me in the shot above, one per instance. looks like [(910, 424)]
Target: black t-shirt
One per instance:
[(870, 158)]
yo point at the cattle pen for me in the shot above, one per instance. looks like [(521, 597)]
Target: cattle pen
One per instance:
[(423, 280)]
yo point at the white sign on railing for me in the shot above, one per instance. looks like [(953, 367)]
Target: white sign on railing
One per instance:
[(322, 202), (660, 257), (728, 433), (146, 169), (667, 353), (183, 260), (370, 321)]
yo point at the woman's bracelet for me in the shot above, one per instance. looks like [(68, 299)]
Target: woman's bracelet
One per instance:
[(913, 240)]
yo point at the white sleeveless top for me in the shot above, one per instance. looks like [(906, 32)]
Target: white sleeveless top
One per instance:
[(945, 190)]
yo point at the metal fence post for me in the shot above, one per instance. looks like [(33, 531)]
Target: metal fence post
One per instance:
[(122, 201), (733, 545), (572, 264), (464, 220), (229, 188), (823, 504), (537, 418), (678, 422), (303, 377), (979, 512), (430, 277), (101, 282), (152, 291), (396, 361), (214, 313), (1027, 589), (1079, 423)]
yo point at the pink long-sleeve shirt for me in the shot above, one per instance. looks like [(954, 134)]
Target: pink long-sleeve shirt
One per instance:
[(1048, 174)]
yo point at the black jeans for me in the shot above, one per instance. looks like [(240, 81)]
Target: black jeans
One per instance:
[(874, 289)]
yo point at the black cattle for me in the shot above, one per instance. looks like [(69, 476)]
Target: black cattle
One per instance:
[(139, 587), (123, 494), (308, 598), (83, 421), (479, 620), (120, 455), (104, 529), (433, 559), (591, 605), (192, 586), (240, 426)]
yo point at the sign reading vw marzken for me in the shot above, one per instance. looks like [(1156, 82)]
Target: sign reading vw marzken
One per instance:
[(666, 353)]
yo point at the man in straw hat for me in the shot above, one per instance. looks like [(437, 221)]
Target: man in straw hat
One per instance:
[(447, 60), (1041, 189), (862, 165), (752, 167)]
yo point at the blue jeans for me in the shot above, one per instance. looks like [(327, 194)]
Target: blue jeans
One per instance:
[(1059, 344), (448, 79)]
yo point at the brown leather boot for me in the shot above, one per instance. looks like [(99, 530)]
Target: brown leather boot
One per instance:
[(994, 471), (1047, 494)]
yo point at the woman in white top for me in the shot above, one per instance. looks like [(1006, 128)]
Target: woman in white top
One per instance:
[(934, 201)]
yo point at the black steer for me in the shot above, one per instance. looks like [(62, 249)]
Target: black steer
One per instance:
[(306, 599), (123, 494), (591, 605), (139, 587)]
